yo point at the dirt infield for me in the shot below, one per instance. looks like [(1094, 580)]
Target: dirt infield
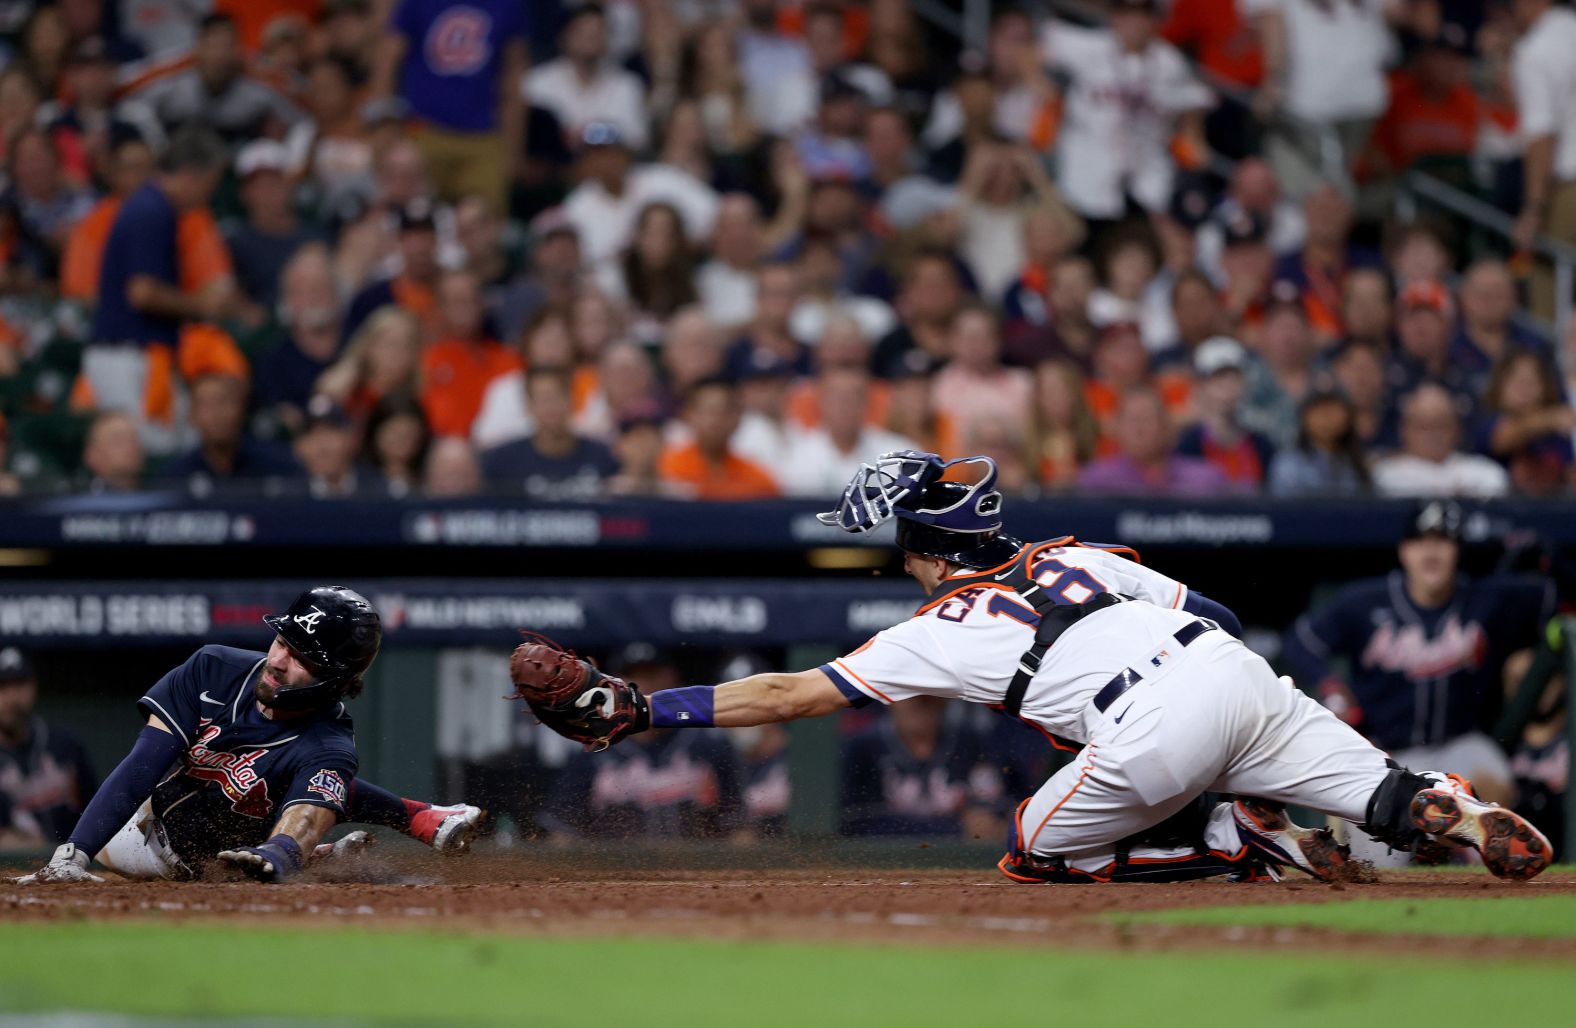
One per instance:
[(541, 896)]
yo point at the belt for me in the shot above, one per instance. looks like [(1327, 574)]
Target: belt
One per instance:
[(1113, 690)]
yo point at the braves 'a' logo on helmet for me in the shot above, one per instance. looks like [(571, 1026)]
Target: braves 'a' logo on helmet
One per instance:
[(308, 622)]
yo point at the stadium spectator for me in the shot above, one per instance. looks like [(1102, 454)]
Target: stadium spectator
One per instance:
[(1429, 462), (931, 296), (130, 166), (309, 313), (1254, 191), (1284, 373), (825, 296), (42, 206), (664, 784), (1325, 64), (1358, 367), (1218, 436), (459, 66), (327, 448), (917, 772), (1130, 290), (396, 443), (216, 91), (1367, 312), (819, 462), (226, 457), (1145, 461), (710, 73), (767, 432), (770, 334), (974, 385), (112, 455), (382, 359), (263, 242), (1000, 189), (637, 446), (331, 149), (552, 463), (1114, 147), (582, 85), (612, 192), (726, 282), (10, 484), (692, 352), (452, 469), (1319, 268), (1247, 268), (1222, 37), (707, 467), (1418, 253), (414, 286), (778, 75), (1545, 91), (1487, 332), (1328, 459), (1433, 115), (1527, 426), (657, 272), (1423, 332), (1066, 432), (550, 280), (46, 778), (457, 368)]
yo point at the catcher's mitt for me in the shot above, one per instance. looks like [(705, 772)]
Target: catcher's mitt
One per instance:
[(573, 698)]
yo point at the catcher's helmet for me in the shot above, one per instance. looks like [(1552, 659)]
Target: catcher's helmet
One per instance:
[(336, 633), (939, 513)]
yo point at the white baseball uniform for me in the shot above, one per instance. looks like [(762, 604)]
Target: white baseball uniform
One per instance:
[(1121, 111), (1202, 715)]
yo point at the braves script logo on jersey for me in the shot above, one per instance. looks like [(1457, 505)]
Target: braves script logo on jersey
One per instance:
[(328, 785), (1408, 651), (309, 621), (247, 791), (457, 42)]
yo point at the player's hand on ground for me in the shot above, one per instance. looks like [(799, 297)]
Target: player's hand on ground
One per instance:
[(255, 862), (69, 864)]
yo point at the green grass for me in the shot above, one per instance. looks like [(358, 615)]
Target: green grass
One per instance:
[(157, 969), (1532, 917)]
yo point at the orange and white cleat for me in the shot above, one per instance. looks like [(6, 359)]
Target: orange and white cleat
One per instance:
[(1509, 844), (447, 829), (1265, 828)]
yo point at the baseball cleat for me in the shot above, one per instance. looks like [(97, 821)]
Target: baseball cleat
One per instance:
[(1511, 847), (447, 829), (1266, 830), (354, 844)]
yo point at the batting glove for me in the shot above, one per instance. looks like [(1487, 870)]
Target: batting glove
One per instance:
[(273, 861), (69, 864)]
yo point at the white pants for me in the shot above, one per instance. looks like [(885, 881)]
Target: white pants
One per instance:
[(139, 849), (1474, 756), (1213, 718)]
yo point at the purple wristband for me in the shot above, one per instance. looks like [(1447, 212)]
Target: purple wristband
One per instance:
[(689, 707)]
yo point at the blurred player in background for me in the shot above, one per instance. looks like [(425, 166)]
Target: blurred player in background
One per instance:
[(238, 740), (45, 776), (1424, 649), (670, 785), (919, 772)]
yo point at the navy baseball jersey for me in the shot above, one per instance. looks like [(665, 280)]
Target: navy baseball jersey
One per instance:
[(663, 783), (887, 790), (453, 54), (241, 769), (1422, 676), (44, 783)]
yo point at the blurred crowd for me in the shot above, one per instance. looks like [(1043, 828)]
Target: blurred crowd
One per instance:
[(726, 249)]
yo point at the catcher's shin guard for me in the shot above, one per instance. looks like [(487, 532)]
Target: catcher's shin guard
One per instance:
[(1033, 869), (1389, 814)]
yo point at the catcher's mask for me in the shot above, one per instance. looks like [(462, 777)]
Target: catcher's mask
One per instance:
[(946, 509), (335, 633)]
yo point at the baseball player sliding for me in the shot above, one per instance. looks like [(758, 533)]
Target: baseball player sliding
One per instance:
[(236, 741), (1163, 703)]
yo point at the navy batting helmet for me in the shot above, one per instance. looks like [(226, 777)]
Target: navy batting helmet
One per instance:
[(334, 632), (946, 509), (1437, 517)]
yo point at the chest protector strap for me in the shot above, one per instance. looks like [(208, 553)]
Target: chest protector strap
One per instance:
[(1055, 618)]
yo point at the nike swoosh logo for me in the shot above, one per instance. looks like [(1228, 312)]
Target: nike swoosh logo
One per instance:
[(1004, 574), (208, 699), (1124, 713)]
